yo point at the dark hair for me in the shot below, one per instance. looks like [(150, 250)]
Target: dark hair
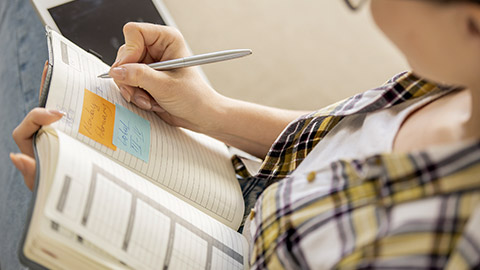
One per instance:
[(449, 1), (355, 5)]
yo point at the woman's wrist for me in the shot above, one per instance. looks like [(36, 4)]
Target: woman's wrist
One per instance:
[(214, 115), (247, 126)]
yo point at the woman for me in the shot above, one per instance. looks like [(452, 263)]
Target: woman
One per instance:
[(385, 179)]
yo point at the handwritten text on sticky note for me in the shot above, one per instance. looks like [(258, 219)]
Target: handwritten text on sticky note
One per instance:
[(98, 118), (131, 133)]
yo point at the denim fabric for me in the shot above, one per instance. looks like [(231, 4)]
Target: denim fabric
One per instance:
[(23, 52), (252, 188)]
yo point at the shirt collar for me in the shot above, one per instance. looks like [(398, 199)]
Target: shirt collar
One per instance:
[(402, 87)]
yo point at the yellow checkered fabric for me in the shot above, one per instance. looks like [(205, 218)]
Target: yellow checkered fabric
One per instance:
[(418, 210)]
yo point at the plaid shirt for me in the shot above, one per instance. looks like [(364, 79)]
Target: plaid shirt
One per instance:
[(418, 210)]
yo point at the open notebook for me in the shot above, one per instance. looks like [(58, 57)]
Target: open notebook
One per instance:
[(118, 188)]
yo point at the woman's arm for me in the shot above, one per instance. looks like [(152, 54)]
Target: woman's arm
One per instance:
[(182, 98), (250, 127)]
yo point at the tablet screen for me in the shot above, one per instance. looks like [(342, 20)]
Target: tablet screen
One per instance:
[(96, 25)]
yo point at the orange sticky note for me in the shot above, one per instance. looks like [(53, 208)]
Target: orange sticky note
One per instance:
[(98, 119)]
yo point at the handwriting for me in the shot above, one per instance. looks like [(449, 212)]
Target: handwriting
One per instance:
[(92, 125), (131, 133), (98, 116), (132, 137)]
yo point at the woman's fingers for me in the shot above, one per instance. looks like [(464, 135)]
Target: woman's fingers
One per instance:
[(139, 75), (139, 97), (23, 134), (26, 165), (147, 43), (138, 84), (126, 91)]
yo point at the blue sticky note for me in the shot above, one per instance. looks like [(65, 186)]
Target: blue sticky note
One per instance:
[(131, 133)]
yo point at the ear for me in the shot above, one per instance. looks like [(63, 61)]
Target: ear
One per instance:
[(473, 20), (473, 27)]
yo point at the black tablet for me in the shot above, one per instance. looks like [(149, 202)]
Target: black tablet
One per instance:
[(96, 25)]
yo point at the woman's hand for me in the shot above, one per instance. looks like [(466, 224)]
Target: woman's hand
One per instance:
[(180, 97), (23, 136)]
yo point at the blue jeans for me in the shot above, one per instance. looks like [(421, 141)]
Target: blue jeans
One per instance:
[(23, 52)]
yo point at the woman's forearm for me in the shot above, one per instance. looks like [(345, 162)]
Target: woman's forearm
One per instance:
[(247, 126)]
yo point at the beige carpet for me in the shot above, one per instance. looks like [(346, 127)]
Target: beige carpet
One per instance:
[(306, 53)]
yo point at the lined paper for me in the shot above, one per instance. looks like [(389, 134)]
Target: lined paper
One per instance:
[(134, 220), (192, 166)]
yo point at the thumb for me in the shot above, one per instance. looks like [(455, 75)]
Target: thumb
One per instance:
[(138, 75), (26, 165)]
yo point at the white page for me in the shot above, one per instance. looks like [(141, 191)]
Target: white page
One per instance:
[(192, 166), (41, 244), (134, 220)]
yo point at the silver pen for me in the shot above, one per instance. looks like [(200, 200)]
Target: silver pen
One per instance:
[(195, 60)]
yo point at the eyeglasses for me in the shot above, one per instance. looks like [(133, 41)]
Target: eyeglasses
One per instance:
[(357, 4)]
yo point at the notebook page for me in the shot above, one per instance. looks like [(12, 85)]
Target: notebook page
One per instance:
[(48, 252), (134, 220), (192, 166)]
